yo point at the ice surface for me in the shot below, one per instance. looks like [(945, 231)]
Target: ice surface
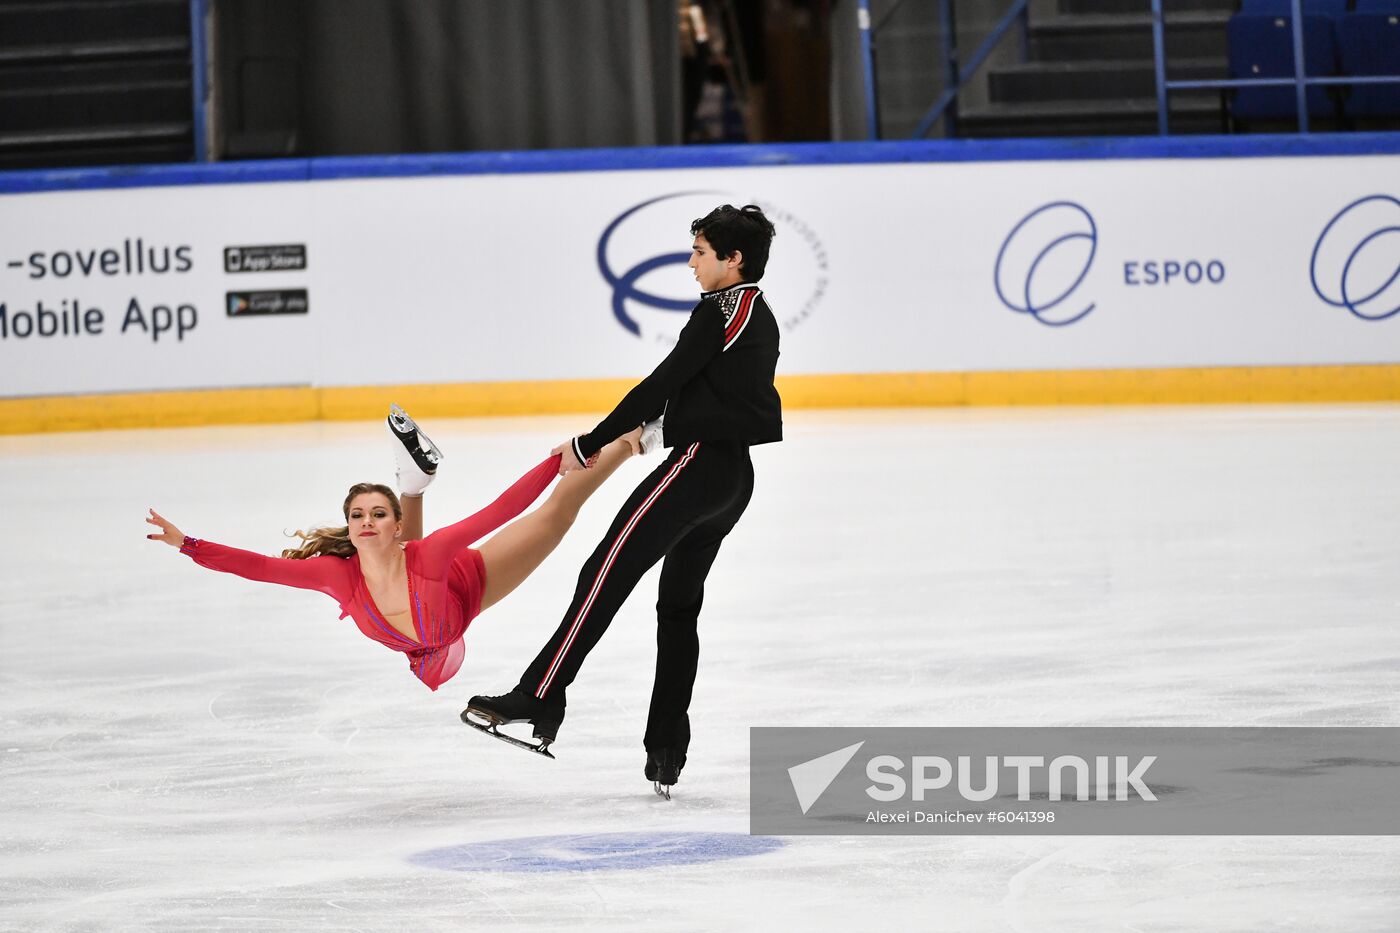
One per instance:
[(183, 750)]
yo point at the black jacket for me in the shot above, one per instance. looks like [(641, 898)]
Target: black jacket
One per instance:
[(716, 385)]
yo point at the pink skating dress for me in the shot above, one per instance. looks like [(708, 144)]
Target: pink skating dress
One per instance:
[(446, 578)]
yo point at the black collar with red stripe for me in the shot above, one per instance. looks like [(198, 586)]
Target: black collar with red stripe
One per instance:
[(721, 291)]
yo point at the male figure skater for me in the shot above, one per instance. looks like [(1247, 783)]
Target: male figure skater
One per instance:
[(714, 398)]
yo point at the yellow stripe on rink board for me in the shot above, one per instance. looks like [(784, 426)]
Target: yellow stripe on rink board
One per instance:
[(1378, 383), (1206, 385), (155, 409), (303, 403), (474, 399)]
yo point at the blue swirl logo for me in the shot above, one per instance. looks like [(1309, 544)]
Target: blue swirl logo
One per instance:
[(1356, 262), (625, 286), (663, 282), (1044, 259)]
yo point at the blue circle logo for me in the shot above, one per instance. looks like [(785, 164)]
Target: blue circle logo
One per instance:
[(1356, 262), (625, 286), (644, 282), (1044, 259), (596, 852)]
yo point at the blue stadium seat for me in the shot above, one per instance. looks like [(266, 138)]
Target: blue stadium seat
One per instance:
[(1378, 6), (1310, 7), (1261, 46), (1370, 45)]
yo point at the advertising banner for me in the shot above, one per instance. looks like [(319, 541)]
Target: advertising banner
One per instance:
[(877, 268)]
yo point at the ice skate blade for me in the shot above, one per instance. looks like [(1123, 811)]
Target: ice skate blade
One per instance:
[(418, 446), (662, 790), (542, 748)]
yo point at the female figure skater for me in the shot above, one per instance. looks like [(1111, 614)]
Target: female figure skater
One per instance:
[(419, 596)]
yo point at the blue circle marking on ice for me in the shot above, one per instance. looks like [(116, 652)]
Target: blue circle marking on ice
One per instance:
[(596, 852), (1367, 233), (1060, 227)]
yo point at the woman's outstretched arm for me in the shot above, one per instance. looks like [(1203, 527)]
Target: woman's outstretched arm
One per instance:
[(412, 507), (329, 575)]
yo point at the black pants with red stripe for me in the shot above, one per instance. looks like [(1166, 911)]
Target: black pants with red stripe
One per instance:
[(681, 513)]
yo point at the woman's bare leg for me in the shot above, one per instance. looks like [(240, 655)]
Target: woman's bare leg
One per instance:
[(515, 551), (412, 507)]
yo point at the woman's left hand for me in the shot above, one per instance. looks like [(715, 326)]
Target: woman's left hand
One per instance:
[(633, 439), (569, 460), (169, 533)]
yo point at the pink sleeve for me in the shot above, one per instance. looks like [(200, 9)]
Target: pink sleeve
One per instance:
[(445, 543), (324, 574)]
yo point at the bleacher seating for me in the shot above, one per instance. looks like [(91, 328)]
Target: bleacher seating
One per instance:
[(1362, 42), (1285, 7), (93, 82), (1261, 46), (1370, 45)]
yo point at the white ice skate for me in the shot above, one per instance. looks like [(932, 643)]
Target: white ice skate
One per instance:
[(652, 436), (416, 457)]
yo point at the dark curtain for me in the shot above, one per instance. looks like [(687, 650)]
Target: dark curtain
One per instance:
[(340, 77)]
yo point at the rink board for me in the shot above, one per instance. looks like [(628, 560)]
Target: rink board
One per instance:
[(1134, 274)]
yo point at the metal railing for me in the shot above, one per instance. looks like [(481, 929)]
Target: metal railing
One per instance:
[(955, 74), (199, 74), (1300, 81)]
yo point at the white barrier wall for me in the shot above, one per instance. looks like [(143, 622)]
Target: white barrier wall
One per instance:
[(876, 268)]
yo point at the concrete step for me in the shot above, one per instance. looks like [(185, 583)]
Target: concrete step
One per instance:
[(1125, 117), (1118, 36), (144, 153), (55, 22), (1094, 80), (1170, 7), (92, 74), (107, 134), (114, 50), (140, 102)]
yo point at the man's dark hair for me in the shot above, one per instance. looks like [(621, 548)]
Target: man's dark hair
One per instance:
[(728, 228)]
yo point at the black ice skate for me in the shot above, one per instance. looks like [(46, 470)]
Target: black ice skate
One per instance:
[(416, 457), (664, 769), (485, 714)]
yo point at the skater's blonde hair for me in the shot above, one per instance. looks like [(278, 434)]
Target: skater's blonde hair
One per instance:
[(335, 542)]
